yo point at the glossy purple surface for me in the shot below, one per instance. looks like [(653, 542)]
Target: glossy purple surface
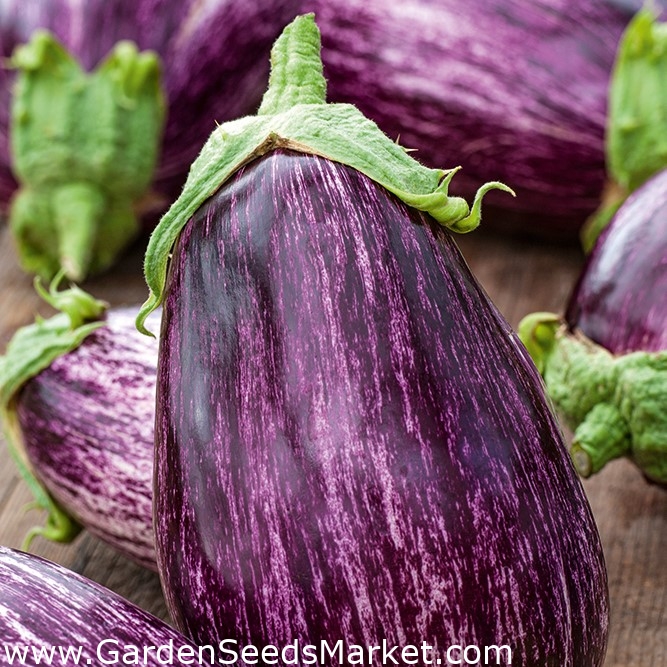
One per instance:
[(215, 56), (88, 423), (350, 441), (620, 300), (46, 606), (512, 91)]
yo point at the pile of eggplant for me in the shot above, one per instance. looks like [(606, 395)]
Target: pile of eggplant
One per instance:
[(352, 450), (318, 429), (439, 77)]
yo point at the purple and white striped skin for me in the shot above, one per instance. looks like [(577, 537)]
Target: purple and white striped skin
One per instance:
[(448, 76), (215, 61), (46, 606), (87, 423), (350, 441), (620, 299)]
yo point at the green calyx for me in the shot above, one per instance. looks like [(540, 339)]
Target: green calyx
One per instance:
[(32, 349), (636, 143), (636, 140), (84, 148), (294, 114), (613, 403)]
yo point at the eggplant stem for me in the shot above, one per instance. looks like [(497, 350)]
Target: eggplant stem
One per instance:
[(604, 435), (296, 69)]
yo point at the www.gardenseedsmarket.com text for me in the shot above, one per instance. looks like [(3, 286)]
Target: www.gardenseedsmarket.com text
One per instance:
[(229, 652)]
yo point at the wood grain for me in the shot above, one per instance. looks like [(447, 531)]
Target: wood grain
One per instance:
[(521, 276)]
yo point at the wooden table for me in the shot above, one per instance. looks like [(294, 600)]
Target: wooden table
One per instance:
[(521, 276)]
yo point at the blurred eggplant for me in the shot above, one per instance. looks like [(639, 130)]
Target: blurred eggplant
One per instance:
[(83, 147), (605, 362), (511, 90)]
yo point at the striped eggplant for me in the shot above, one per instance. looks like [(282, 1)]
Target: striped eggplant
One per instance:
[(78, 409), (209, 56), (50, 615), (445, 76), (605, 362), (351, 444)]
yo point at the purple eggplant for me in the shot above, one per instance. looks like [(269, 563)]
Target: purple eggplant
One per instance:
[(351, 443), (84, 144), (620, 299), (605, 362), (51, 615), (446, 76), (78, 407)]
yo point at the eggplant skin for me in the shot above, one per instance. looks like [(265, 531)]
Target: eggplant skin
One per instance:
[(87, 423), (46, 606), (350, 441), (620, 299)]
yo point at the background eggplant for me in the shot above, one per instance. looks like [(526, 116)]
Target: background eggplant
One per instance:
[(514, 90), (605, 363), (83, 191), (214, 58), (440, 76), (79, 415), (46, 610), (351, 443)]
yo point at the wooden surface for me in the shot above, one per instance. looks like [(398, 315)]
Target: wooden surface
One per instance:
[(521, 276)]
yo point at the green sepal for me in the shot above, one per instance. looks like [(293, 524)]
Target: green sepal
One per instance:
[(537, 332), (31, 350), (58, 526), (293, 115), (84, 148), (636, 142), (615, 404)]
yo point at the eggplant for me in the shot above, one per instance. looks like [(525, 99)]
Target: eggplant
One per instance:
[(605, 361), (85, 190), (51, 615), (78, 408), (620, 298), (445, 76), (351, 443)]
